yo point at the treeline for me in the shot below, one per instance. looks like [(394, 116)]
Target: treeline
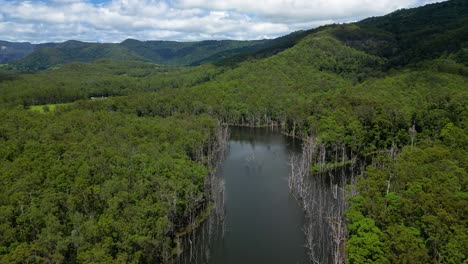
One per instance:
[(98, 187), (105, 78)]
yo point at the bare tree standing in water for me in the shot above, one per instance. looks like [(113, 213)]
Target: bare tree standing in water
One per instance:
[(322, 196)]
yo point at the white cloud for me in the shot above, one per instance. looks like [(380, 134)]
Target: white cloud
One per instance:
[(302, 10), (113, 21)]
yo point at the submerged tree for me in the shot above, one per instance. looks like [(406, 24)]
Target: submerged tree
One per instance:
[(322, 196)]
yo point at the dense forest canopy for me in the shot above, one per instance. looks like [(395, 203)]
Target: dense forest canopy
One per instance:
[(113, 180)]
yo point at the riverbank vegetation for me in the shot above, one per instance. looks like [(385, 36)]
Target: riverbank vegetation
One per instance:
[(114, 180)]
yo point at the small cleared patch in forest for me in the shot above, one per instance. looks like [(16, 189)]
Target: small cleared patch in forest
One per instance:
[(46, 108)]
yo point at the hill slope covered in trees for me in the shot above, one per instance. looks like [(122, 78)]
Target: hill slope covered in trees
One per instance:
[(29, 57)]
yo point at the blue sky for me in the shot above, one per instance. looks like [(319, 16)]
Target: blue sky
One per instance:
[(183, 20)]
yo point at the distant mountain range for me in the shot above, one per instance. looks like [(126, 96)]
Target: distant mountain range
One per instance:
[(27, 56), (10, 51), (402, 37)]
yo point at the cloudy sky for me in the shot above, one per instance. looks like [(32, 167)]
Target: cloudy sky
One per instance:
[(183, 20)]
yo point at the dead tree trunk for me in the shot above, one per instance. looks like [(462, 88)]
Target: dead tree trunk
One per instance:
[(322, 198), (195, 244)]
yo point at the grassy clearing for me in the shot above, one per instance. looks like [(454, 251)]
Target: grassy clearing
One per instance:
[(46, 108)]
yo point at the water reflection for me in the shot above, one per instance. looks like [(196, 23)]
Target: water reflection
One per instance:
[(262, 223)]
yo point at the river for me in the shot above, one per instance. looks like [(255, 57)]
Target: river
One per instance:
[(262, 222)]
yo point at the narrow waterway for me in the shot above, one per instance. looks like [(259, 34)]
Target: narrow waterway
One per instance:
[(263, 223)]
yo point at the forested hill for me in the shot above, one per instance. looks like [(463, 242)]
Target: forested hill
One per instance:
[(411, 35), (43, 56), (30, 57), (402, 37), (11, 51), (115, 180), (190, 53)]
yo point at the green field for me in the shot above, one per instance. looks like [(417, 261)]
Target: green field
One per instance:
[(46, 107)]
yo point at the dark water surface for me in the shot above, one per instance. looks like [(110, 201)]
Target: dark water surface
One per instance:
[(263, 222)]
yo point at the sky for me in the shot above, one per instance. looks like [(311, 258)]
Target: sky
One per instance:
[(39, 21)]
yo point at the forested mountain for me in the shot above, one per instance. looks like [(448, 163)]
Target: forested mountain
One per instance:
[(34, 57), (402, 37), (10, 51), (43, 56), (408, 36), (73, 51), (115, 180), (190, 53)]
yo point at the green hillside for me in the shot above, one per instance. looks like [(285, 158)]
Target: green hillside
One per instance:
[(73, 51), (160, 52), (187, 53), (172, 53), (11, 51), (408, 36)]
